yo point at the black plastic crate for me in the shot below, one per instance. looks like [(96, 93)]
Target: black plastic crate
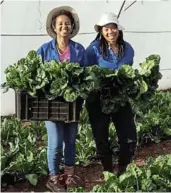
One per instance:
[(41, 109)]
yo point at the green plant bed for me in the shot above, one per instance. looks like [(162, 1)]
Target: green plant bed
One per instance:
[(23, 148), (154, 176)]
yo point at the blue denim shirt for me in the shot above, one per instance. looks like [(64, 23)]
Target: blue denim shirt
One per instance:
[(112, 61), (48, 52)]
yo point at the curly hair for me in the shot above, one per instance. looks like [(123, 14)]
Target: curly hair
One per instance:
[(66, 13), (104, 43)]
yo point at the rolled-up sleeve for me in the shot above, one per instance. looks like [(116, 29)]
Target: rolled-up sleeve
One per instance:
[(90, 56)]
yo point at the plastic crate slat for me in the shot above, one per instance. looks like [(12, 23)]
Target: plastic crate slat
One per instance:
[(49, 107), (54, 113), (40, 108), (45, 102)]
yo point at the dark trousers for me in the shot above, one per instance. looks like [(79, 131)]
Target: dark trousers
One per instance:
[(123, 120)]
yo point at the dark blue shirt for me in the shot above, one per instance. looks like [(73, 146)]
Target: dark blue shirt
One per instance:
[(48, 52), (111, 61)]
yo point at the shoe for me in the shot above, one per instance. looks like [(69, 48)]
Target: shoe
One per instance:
[(72, 180), (56, 183)]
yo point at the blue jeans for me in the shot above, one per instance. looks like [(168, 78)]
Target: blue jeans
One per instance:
[(59, 132)]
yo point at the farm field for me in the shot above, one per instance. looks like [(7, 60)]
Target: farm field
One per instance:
[(23, 153), (92, 173)]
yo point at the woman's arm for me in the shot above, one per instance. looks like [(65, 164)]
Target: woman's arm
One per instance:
[(90, 56), (129, 53)]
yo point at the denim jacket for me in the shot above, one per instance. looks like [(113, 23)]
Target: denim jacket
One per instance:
[(48, 52), (112, 61)]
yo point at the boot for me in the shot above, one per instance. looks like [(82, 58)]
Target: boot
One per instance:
[(72, 180), (56, 183), (127, 151), (121, 169), (107, 163)]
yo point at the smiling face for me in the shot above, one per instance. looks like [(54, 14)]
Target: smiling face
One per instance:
[(110, 32), (62, 26)]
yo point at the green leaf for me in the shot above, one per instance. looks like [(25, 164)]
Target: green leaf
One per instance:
[(167, 131), (31, 138), (108, 175), (143, 86), (32, 54), (43, 171), (127, 71), (45, 137), (13, 147), (32, 178), (123, 177), (32, 93), (70, 96), (30, 156), (78, 71)]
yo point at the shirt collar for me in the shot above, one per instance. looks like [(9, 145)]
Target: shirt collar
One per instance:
[(54, 43)]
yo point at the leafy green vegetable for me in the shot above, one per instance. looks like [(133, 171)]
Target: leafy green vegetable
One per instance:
[(70, 81), (51, 79), (20, 149), (23, 148), (32, 178), (154, 176), (125, 84)]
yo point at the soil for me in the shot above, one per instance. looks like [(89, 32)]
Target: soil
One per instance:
[(92, 174)]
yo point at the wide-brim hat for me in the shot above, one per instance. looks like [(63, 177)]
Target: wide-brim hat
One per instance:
[(107, 18), (54, 12)]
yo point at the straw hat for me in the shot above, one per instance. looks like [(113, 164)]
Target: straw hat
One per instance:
[(54, 12)]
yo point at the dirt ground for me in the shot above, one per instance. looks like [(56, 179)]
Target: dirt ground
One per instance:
[(92, 174)]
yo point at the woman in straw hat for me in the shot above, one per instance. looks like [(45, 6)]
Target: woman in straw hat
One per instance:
[(109, 50), (62, 25)]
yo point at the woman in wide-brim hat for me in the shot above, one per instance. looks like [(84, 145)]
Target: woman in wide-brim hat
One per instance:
[(62, 25), (110, 50)]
